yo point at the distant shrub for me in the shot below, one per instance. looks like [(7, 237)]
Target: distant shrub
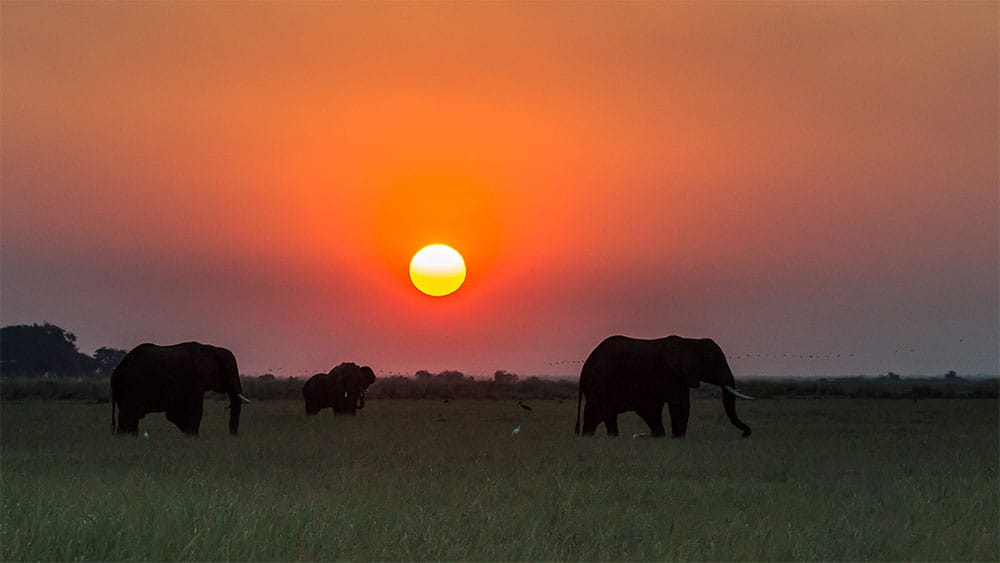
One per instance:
[(399, 387), (86, 389), (268, 387)]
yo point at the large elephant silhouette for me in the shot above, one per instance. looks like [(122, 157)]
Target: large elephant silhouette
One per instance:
[(628, 374), (342, 389), (173, 379)]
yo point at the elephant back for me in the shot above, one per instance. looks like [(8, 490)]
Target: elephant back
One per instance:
[(152, 376), (314, 383), (317, 393)]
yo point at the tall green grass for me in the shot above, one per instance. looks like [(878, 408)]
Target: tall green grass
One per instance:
[(429, 480)]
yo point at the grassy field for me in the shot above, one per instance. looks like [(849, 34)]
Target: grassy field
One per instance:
[(833, 479)]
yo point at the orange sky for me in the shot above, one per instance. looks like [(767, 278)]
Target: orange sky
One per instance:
[(790, 179)]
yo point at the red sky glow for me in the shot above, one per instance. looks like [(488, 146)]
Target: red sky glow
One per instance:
[(791, 179)]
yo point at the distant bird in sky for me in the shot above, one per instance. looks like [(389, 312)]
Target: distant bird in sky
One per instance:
[(523, 406)]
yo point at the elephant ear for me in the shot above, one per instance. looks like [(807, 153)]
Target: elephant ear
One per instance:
[(367, 376), (224, 375), (686, 360)]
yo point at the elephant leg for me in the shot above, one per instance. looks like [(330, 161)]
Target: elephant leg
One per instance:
[(175, 416), (186, 416), (680, 409), (591, 418), (611, 423), (194, 417), (128, 422), (653, 416), (335, 404)]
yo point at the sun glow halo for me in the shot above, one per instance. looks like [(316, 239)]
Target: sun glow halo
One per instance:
[(437, 270)]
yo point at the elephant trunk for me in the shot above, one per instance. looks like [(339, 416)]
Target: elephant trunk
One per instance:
[(235, 407), (361, 400), (729, 403)]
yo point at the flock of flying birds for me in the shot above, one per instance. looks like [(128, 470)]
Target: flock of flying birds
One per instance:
[(773, 356), (749, 356)]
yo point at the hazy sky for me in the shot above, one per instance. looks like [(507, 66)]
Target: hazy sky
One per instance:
[(791, 179)]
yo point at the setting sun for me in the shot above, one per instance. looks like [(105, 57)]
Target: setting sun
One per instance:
[(437, 270)]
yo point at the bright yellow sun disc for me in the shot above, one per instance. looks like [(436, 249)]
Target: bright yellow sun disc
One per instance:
[(437, 270)]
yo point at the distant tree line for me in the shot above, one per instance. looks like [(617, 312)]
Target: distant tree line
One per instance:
[(49, 350), (268, 387), (445, 385), (48, 364)]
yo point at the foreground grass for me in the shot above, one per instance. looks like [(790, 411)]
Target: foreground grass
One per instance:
[(428, 480)]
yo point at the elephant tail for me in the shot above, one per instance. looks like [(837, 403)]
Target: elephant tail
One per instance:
[(579, 401), (112, 409)]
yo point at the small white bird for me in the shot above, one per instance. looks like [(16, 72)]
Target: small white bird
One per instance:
[(145, 435), (517, 430)]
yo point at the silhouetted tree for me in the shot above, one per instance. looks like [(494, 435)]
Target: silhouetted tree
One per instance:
[(446, 375), (532, 385), (501, 376), (453, 375), (37, 349), (107, 359)]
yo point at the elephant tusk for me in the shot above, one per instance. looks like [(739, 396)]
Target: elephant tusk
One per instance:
[(736, 393), (243, 399)]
